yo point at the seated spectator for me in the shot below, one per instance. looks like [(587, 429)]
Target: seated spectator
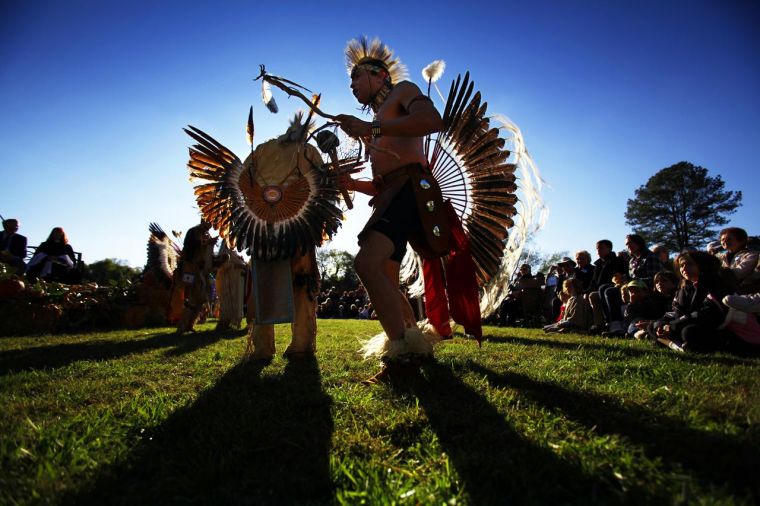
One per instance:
[(584, 270), (605, 267), (643, 264), (740, 259), (697, 313), (329, 308), (13, 246), (565, 269), (54, 258), (511, 306), (550, 296), (641, 306), (665, 288), (663, 255), (575, 316), (742, 320), (751, 284), (744, 309)]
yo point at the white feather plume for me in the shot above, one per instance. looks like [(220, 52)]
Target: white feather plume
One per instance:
[(434, 71), (532, 216), (266, 96)]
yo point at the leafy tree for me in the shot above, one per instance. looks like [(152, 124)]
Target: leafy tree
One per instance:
[(110, 272), (550, 260), (540, 261), (337, 269), (679, 205)]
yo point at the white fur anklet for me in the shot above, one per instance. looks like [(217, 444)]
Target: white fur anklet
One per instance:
[(413, 344)]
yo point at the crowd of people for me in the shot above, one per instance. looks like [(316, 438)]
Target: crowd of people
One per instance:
[(349, 304), (53, 260), (696, 301)]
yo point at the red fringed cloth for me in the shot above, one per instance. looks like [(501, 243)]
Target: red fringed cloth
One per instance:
[(451, 288)]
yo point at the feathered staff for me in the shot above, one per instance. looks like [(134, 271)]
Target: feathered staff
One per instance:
[(282, 83)]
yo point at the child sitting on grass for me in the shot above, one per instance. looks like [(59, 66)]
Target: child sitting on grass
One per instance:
[(643, 306), (665, 287), (575, 317)]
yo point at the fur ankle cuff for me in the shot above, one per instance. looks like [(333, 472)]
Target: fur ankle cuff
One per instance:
[(413, 344)]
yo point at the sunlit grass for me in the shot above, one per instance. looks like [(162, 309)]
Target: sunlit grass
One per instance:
[(145, 417)]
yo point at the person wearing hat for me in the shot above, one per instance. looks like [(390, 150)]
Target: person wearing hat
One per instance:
[(641, 306)]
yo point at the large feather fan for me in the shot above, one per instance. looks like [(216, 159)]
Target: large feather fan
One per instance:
[(235, 201), (474, 163)]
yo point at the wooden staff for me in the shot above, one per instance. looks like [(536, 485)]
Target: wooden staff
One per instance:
[(279, 82)]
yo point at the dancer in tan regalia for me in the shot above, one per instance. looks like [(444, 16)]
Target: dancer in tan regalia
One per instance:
[(278, 205)]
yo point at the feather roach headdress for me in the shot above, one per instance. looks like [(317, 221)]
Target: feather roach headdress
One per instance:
[(374, 56)]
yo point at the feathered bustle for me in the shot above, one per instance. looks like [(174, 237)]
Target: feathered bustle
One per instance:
[(252, 207), (475, 160)]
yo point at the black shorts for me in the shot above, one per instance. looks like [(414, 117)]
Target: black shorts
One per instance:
[(400, 221)]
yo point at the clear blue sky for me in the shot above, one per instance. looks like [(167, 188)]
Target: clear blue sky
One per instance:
[(95, 95)]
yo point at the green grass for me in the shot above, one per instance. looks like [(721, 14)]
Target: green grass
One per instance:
[(144, 417)]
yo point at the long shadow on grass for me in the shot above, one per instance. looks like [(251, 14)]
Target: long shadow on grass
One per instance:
[(60, 355), (496, 463), (187, 344), (250, 439), (712, 457), (608, 346)]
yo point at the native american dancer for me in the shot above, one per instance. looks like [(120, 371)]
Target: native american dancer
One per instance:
[(466, 164), (278, 206), (196, 264), (155, 292), (230, 289)]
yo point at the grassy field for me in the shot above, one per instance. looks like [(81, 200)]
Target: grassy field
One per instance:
[(144, 417)]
